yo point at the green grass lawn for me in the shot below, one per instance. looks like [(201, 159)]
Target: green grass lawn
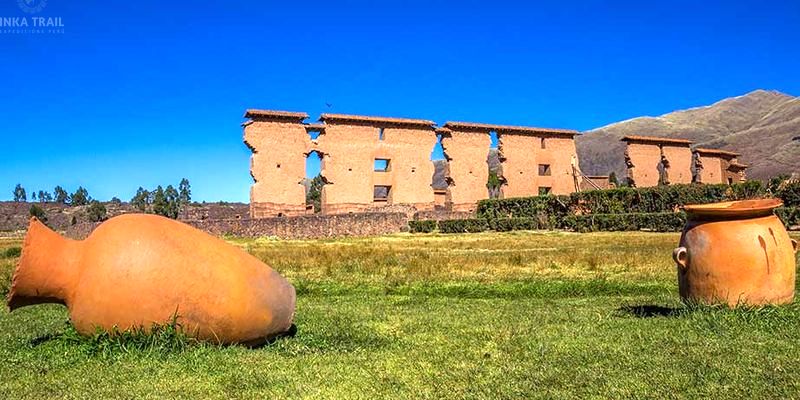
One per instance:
[(512, 315)]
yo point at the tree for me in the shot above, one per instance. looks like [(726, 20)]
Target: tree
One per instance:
[(184, 191), (96, 211), (173, 202), (141, 200), (61, 195), (314, 194), (33, 196), (19, 193), (612, 179), (115, 200), (160, 205), (494, 185), (38, 212), (45, 197), (80, 197)]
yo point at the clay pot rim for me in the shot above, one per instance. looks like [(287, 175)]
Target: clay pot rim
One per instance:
[(737, 209)]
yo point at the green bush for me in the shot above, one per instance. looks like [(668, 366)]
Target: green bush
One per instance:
[(789, 215), (746, 190), (96, 211), (422, 226), (11, 252), (464, 225), (790, 194), (38, 212)]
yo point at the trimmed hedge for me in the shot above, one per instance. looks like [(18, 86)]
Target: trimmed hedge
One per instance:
[(515, 224), (622, 209), (470, 225), (659, 222), (547, 210), (659, 199), (422, 226)]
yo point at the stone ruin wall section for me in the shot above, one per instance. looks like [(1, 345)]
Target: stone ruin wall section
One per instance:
[(680, 163), (712, 171), (468, 172), (348, 156), (519, 160), (277, 166), (410, 167), (645, 158), (560, 153), (350, 150)]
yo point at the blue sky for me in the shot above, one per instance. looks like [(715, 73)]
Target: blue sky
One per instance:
[(147, 92)]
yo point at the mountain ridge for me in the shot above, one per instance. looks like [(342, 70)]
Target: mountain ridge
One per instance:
[(763, 125)]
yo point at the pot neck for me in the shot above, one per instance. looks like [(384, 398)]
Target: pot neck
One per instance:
[(47, 271)]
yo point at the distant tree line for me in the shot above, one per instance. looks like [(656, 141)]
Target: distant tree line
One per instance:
[(60, 196), (167, 202)]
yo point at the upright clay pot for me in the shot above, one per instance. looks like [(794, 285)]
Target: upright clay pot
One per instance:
[(135, 270), (736, 253)]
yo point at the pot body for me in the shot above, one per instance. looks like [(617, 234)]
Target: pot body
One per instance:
[(736, 260), (135, 270)]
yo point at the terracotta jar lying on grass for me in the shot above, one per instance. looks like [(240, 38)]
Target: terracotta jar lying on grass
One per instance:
[(135, 270), (736, 253)]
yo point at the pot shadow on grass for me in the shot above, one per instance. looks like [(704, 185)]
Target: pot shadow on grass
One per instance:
[(42, 339), (650, 311), (62, 335)]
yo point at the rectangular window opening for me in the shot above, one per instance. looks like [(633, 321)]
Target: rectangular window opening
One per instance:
[(381, 193), (380, 134), (542, 142), (381, 165), (544, 170), (544, 190)]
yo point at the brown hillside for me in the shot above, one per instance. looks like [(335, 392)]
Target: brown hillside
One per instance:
[(762, 125)]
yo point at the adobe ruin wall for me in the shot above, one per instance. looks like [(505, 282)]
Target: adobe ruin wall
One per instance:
[(718, 166), (372, 162)]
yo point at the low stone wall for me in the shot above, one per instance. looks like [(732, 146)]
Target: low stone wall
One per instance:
[(14, 216), (309, 226), (300, 227), (440, 215)]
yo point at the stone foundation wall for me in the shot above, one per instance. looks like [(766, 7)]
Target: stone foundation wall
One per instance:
[(14, 216), (301, 227), (441, 215)]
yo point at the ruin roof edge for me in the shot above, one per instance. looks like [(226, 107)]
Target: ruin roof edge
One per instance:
[(656, 139), (457, 125), (716, 151), (274, 115), (374, 119), (738, 165)]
